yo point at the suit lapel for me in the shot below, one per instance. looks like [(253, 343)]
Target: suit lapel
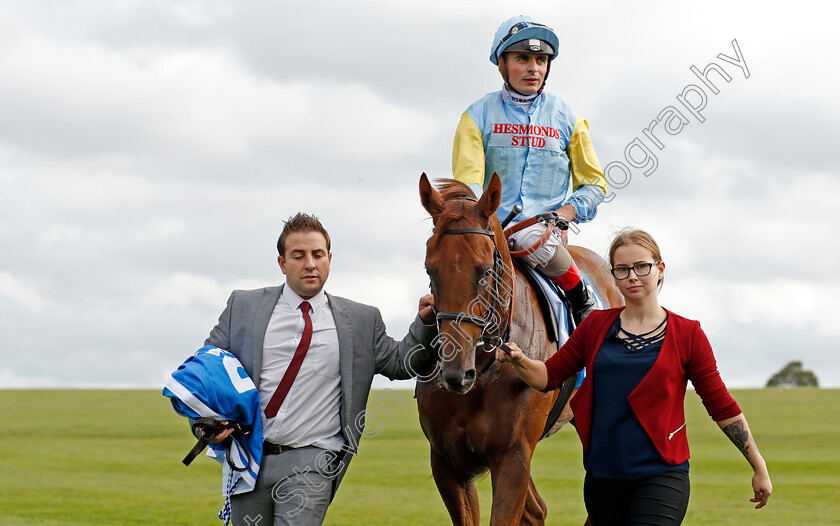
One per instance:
[(261, 318), (344, 329)]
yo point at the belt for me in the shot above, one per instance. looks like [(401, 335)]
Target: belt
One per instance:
[(270, 448)]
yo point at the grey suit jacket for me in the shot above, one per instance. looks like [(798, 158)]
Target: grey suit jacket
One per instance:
[(364, 350)]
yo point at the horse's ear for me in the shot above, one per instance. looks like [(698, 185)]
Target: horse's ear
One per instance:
[(491, 197), (429, 197)]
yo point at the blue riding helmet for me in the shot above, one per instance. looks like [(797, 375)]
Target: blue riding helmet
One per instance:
[(521, 28)]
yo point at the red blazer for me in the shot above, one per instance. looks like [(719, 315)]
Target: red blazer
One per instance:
[(659, 399)]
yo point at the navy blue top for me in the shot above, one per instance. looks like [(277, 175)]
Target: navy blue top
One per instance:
[(619, 447)]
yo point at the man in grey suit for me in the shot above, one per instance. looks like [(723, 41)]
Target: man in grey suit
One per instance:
[(313, 405)]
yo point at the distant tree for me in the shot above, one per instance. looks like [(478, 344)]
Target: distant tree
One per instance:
[(792, 375)]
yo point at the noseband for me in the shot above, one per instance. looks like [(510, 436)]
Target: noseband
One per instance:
[(488, 340)]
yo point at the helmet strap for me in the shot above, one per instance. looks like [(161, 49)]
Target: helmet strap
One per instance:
[(547, 71), (503, 69)]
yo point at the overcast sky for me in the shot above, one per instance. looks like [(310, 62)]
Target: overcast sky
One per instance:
[(150, 150)]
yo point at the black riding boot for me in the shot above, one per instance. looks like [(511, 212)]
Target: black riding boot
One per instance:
[(582, 302)]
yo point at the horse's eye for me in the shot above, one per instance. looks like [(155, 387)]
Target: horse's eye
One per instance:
[(485, 275)]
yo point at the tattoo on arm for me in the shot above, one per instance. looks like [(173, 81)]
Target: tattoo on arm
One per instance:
[(739, 436)]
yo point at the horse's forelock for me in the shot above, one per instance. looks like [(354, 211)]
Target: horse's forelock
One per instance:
[(452, 191)]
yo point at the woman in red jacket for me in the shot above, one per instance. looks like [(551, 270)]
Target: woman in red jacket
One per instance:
[(629, 411)]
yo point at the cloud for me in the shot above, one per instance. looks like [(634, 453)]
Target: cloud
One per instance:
[(151, 110), (182, 290), (149, 153), (22, 294)]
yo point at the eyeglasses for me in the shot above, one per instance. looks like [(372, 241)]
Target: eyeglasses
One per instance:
[(641, 270)]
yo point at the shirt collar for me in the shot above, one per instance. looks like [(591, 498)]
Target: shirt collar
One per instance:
[(294, 300), (524, 102)]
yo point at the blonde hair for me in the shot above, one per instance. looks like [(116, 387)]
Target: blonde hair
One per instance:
[(636, 236)]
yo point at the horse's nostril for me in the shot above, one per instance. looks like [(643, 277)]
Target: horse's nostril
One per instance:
[(469, 377)]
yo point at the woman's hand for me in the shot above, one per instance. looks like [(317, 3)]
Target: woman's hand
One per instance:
[(738, 431), (762, 487), (532, 372), (516, 353)]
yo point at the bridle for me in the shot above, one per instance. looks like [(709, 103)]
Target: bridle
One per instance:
[(489, 341)]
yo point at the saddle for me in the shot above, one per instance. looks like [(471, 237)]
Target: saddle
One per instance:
[(554, 305), (557, 313)]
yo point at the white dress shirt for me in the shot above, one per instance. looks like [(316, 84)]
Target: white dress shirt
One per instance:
[(310, 413)]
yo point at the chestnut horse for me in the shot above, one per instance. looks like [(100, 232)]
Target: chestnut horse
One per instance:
[(476, 413)]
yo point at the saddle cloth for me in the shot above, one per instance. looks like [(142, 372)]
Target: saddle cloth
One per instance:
[(558, 316)]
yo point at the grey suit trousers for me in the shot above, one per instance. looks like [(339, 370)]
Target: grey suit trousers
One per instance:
[(293, 488)]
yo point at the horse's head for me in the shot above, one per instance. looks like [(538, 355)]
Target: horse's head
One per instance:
[(464, 260)]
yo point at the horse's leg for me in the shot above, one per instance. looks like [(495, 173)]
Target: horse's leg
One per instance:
[(535, 508), (459, 495), (510, 476)]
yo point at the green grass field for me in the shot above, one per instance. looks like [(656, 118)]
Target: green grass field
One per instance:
[(114, 457)]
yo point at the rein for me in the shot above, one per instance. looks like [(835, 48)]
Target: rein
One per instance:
[(489, 341), (551, 220), (210, 427)]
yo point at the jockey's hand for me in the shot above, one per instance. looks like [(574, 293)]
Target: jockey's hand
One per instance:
[(516, 353), (568, 213), (426, 310)]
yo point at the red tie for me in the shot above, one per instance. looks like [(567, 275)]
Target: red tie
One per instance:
[(289, 377)]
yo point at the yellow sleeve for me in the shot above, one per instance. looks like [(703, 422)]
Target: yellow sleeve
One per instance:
[(468, 153), (585, 166)]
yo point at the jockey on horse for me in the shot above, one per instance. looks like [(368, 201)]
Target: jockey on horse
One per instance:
[(542, 152)]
